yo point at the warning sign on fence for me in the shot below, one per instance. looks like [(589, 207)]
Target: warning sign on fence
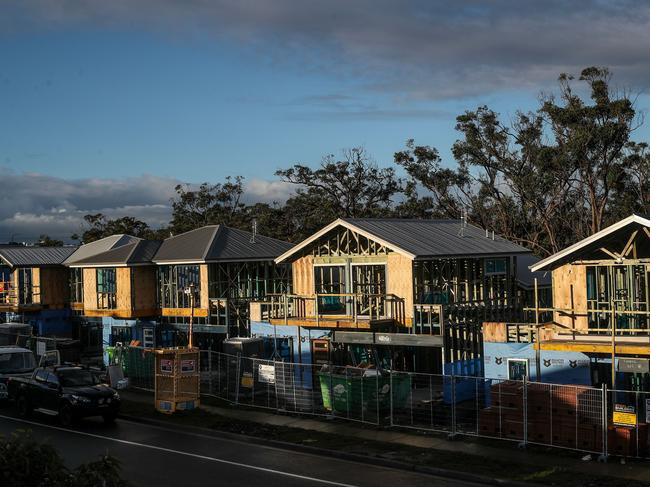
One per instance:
[(266, 373), (166, 366), (188, 366), (624, 415), (247, 380)]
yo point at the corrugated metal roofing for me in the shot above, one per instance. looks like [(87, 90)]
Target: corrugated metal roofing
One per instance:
[(435, 238), (137, 252), (216, 243), (526, 277), (99, 246), (35, 256)]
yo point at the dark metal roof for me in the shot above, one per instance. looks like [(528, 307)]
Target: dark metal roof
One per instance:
[(100, 246), (526, 277), (35, 256), (435, 238), (133, 253), (217, 243)]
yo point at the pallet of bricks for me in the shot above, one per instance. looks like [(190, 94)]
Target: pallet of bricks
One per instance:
[(627, 441), (553, 415)]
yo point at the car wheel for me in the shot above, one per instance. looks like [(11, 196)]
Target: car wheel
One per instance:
[(24, 408), (109, 418), (66, 417)]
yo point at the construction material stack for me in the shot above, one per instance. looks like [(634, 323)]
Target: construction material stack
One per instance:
[(177, 379)]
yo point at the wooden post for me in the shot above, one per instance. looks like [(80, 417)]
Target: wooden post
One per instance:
[(191, 330), (538, 345)]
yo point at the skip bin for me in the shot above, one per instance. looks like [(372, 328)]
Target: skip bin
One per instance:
[(343, 393)]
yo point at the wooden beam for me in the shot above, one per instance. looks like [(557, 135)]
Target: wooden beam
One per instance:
[(613, 255), (628, 246)]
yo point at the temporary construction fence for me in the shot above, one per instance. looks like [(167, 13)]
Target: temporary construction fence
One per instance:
[(582, 418)]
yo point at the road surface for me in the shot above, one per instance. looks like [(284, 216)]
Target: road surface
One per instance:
[(160, 457)]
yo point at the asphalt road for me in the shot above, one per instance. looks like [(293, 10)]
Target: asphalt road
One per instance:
[(156, 456)]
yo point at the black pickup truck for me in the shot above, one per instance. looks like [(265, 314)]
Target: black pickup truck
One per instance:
[(69, 391)]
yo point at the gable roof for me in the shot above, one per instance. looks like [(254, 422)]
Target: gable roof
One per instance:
[(594, 242), (526, 277), (420, 238), (35, 256), (138, 252), (218, 243), (99, 246)]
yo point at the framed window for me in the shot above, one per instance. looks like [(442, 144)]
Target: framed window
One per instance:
[(106, 288), (173, 280), (330, 279), (517, 369), (76, 285), (495, 266), (5, 284)]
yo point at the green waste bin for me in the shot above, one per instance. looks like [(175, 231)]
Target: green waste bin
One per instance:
[(343, 393)]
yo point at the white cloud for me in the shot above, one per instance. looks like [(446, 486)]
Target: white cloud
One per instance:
[(34, 204)]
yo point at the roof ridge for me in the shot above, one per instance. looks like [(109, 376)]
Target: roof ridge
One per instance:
[(193, 230), (135, 246), (213, 240)]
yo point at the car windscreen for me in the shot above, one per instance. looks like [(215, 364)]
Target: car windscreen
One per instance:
[(76, 378), (16, 362)]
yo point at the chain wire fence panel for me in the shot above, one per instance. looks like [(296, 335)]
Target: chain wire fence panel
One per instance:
[(563, 416), (627, 418)]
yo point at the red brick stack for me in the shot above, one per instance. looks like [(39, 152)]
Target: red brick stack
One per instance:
[(551, 415)]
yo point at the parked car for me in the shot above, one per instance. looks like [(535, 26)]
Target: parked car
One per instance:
[(69, 391), (14, 362)]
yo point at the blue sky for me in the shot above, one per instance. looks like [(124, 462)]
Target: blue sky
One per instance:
[(134, 96), (81, 103)]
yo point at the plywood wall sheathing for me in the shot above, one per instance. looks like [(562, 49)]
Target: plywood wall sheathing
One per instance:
[(144, 287), (495, 332), (90, 288), (570, 290), (303, 281), (399, 280), (123, 278), (54, 286)]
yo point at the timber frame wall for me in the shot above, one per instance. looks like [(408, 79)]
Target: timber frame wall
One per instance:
[(33, 287), (464, 287), (135, 293), (224, 291)]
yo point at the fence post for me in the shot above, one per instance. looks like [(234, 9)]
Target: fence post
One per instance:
[(603, 456), (362, 406), (636, 434), (238, 379), (391, 396), (453, 405), (478, 407), (210, 372), (253, 393), (525, 404), (347, 392), (377, 395), (431, 400)]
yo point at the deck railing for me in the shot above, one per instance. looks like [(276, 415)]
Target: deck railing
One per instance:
[(352, 307)]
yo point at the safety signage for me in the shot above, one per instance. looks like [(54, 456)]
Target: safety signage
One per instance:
[(188, 366), (624, 415), (266, 373), (166, 366), (247, 380)]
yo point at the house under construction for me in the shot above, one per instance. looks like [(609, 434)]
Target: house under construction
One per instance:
[(399, 293), (598, 329)]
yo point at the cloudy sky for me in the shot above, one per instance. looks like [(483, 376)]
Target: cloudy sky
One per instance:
[(106, 105)]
